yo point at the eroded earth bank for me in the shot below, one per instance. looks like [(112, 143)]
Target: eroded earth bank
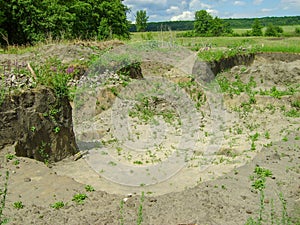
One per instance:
[(244, 118)]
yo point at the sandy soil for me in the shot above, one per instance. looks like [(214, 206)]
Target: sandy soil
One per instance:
[(207, 190)]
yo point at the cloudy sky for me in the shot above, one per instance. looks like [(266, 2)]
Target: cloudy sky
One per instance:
[(166, 10)]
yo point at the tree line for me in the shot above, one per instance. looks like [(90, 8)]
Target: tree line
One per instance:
[(30, 21), (242, 23)]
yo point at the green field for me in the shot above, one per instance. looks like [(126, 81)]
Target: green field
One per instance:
[(286, 43), (287, 30), (264, 44)]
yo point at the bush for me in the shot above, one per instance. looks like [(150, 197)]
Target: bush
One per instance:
[(274, 31)]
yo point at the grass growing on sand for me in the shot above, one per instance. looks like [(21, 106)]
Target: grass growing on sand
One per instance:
[(259, 184), (3, 194)]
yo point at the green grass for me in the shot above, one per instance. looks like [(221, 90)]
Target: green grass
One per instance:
[(263, 44), (287, 30), (140, 212), (3, 195), (258, 179)]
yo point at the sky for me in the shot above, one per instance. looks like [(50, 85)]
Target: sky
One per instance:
[(172, 10)]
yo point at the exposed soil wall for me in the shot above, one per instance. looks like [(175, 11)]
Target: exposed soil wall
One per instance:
[(280, 56), (39, 124), (227, 63)]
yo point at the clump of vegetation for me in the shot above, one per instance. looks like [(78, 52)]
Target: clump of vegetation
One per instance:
[(56, 75), (253, 139), (10, 156), (89, 188), (274, 92), (43, 152), (147, 108), (79, 198), (293, 113), (194, 90), (237, 86), (272, 30), (18, 205), (58, 205), (296, 104), (3, 90)]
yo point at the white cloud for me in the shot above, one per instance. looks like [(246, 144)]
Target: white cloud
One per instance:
[(145, 2), (198, 5), (186, 15), (239, 3), (184, 3), (173, 10), (257, 2), (266, 10), (165, 10), (153, 16), (291, 4), (213, 12)]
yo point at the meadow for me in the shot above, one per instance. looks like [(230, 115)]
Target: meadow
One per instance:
[(289, 42)]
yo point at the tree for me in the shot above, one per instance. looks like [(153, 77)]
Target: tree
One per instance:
[(206, 25), (256, 28), (29, 21), (203, 20), (141, 19)]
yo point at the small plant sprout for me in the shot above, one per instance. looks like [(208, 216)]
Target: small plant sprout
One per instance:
[(267, 135), (33, 129), (16, 162), (285, 139), (56, 130), (58, 205), (10, 156), (79, 198), (259, 183), (89, 188), (18, 205)]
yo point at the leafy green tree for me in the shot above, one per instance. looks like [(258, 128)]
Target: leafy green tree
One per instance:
[(256, 28), (29, 21), (141, 19), (216, 27), (206, 25), (203, 21), (3, 32), (56, 20)]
